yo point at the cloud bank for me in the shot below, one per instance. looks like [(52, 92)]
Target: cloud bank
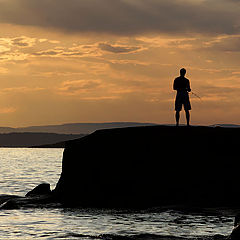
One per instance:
[(125, 17), (117, 49)]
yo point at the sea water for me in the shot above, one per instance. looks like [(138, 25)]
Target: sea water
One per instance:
[(24, 168)]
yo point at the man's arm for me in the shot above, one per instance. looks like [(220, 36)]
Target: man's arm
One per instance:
[(188, 86)]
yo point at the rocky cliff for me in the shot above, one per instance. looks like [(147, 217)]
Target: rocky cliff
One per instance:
[(152, 166)]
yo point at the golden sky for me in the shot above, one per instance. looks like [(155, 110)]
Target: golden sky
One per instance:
[(115, 60)]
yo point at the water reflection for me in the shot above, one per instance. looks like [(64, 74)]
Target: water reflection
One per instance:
[(57, 222), (23, 169)]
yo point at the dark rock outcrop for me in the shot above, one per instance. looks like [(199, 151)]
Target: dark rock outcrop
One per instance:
[(151, 166), (40, 196), (41, 189), (9, 204)]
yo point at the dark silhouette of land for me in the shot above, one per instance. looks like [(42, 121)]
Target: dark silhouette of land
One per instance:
[(73, 128), (36, 139), (152, 166)]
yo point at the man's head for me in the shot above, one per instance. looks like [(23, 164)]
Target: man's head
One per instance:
[(182, 72)]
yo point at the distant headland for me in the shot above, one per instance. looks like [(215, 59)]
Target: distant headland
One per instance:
[(73, 128), (54, 136)]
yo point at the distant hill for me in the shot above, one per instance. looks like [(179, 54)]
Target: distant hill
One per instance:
[(7, 129), (34, 139), (73, 128), (53, 145), (226, 125)]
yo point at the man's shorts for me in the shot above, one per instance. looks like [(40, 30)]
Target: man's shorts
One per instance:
[(182, 98)]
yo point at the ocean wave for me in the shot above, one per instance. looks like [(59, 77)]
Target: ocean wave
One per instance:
[(160, 237), (134, 237), (71, 235)]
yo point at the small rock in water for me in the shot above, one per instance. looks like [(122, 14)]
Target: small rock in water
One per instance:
[(10, 204), (41, 189)]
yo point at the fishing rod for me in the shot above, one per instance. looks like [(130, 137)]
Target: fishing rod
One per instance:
[(196, 95)]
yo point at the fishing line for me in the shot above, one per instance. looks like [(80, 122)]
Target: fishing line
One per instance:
[(196, 95)]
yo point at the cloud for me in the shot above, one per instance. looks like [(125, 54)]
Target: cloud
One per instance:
[(58, 53), (13, 49), (7, 110), (20, 90), (78, 86), (99, 98), (225, 44), (47, 53), (87, 90), (117, 49), (76, 51), (13, 56), (219, 94), (3, 70), (125, 17), (23, 41), (4, 49)]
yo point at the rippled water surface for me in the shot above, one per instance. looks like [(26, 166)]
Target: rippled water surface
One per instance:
[(23, 169)]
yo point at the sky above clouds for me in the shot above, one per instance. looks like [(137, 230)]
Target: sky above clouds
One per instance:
[(115, 60)]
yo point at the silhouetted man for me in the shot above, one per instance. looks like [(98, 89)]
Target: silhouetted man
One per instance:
[(182, 86)]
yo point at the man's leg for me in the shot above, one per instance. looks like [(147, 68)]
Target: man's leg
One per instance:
[(177, 118), (187, 117)]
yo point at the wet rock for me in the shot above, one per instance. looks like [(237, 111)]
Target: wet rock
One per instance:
[(36, 201), (4, 198), (40, 196), (10, 204), (41, 189), (235, 235), (237, 220)]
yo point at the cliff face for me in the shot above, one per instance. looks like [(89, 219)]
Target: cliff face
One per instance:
[(151, 166)]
